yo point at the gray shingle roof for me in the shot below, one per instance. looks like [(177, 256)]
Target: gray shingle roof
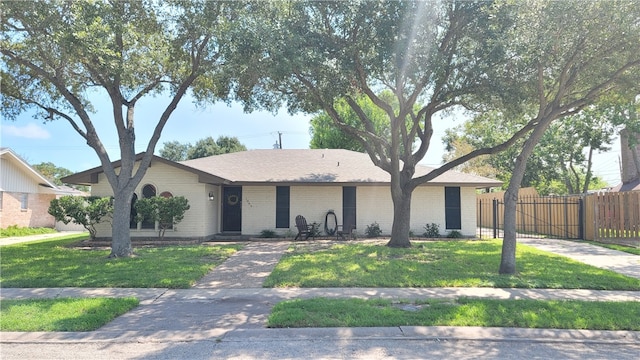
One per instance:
[(314, 166)]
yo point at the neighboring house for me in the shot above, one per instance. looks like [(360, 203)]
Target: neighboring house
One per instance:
[(246, 192), (630, 163), (24, 193)]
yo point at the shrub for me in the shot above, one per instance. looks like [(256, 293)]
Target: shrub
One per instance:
[(85, 211), (167, 212), (455, 234), (431, 230), (268, 234), (373, 230), (315, 230)]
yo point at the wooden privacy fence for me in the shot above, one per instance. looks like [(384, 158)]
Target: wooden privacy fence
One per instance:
[(613, 217), (604, 217)]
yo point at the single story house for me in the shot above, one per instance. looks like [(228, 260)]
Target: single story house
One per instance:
[(25, 194), (244, 193)]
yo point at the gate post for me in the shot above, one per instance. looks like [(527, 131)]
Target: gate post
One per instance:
[(495, 218), (581, 218)]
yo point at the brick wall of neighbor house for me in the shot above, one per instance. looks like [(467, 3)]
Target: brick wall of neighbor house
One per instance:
[(36, 214)]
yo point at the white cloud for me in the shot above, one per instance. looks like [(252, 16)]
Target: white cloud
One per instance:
[(29, 131)]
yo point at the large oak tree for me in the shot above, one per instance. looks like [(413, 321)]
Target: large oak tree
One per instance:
[(431, 56), (59, 56)]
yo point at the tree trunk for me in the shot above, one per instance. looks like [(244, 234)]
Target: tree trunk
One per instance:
[(587, 180), (401, 218), (508, 258), (120, 233)]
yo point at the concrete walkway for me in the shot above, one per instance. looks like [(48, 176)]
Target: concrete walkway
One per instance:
[(229, 303)]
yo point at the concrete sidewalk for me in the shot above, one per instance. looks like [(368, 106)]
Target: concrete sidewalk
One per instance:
[(229, 304)]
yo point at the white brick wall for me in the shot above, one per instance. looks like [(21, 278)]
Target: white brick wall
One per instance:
[(259, 213)]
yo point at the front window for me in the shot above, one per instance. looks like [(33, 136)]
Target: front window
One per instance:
[(133, 224), (148, 191)]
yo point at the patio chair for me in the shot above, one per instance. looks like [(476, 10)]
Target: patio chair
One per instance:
[(303, 228)]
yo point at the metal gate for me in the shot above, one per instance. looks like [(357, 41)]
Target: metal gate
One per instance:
[(558, 217)]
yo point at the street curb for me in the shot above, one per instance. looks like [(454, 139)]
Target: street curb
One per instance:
[(424, 333)]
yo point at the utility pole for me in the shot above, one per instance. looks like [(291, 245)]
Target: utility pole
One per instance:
[(280, 139)]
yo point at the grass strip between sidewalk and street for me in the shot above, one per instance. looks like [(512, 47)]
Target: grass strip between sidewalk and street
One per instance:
[(56, 263), (551, 314), (627, 249), (472, 263), (64, 314)]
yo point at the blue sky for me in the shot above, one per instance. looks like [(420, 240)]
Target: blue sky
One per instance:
[(58, 143)]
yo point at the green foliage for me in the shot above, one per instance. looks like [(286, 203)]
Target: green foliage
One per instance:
[(85, 211), (325, 134), (63, 314), (455, 234), (540, 314), (175, 151), (52, 172), (373, 230), (431, 230), (268, 234), (438, 264), (15, 230), (166, 211), (39, 264)]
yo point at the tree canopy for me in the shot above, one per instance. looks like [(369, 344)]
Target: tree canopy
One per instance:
[(556, 166), (429, 56), (175, 151), (52, 172)]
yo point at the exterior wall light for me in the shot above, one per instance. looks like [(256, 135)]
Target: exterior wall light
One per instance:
[(211, 196)]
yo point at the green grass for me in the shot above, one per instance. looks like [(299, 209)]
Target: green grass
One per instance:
[(627, 249), (14, 230), (53, 263), (61, 314), (561, 314), (438, 264)]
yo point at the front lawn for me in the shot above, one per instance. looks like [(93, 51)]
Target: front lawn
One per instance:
[(53, 263), (61, 314), (437, 264), (555, 314)]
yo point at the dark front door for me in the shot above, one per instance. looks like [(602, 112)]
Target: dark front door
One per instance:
[(232, 209), (349, 207)]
